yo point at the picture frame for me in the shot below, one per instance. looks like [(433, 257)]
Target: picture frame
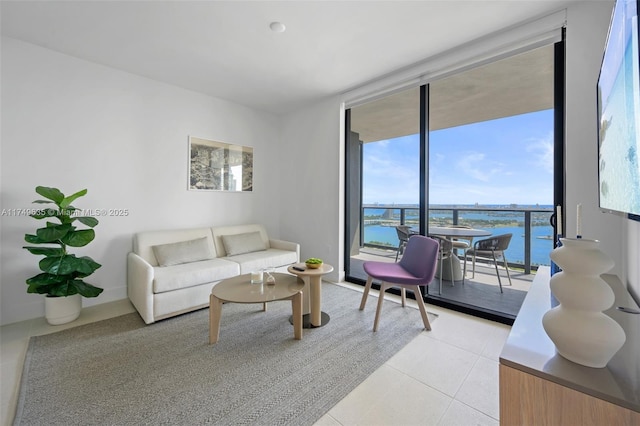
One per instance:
[(219, 166)]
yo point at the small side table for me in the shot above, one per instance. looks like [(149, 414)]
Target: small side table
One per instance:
[(313, 277)]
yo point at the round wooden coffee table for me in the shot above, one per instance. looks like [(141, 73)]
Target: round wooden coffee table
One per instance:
[(240, 290)]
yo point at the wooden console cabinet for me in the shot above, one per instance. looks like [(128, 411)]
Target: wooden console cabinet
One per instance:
[(540, 387)]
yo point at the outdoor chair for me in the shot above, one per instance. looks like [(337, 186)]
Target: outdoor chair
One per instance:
[(445, 252), (461, 243), (492, 248), (403, 236), (416, 268)]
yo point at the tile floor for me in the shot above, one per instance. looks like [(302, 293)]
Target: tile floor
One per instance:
[(447, 376)]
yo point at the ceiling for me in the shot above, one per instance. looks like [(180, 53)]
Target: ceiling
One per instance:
[(226, 49), (516, 85)]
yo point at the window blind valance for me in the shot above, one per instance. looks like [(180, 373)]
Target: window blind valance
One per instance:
[(508, 42)]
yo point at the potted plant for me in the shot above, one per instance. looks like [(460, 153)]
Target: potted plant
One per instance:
[(62, 273)]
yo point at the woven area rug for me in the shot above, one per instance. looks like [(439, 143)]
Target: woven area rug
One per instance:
[(122, 372)]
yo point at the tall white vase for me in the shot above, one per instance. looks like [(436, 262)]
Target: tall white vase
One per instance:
[(577, 326)]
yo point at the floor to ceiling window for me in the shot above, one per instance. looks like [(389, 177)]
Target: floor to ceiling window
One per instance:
[(383, 152), (489, 155), (491, 145)]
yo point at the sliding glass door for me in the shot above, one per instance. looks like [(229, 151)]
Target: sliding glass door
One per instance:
[(473, 150), (491, 168), (383, 155)]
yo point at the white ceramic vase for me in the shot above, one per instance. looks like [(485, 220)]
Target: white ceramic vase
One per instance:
[(61, 310), (577, 326)]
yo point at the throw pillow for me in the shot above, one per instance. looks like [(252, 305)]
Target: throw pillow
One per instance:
[(183, 252), (243, 243)]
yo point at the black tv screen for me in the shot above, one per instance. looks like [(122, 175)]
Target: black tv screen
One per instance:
[(619, 113)]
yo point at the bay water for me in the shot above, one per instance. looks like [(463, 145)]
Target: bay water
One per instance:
[(495, 222)]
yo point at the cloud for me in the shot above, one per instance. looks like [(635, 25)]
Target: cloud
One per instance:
[(478, 167), (387, 167), (542, 152)]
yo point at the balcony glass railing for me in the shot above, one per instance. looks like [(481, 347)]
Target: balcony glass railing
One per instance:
[(531, 243)]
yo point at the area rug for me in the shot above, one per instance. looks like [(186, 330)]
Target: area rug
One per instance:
[(122, 372)]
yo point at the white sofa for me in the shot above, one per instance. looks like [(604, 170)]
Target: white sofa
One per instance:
[(172, 272)]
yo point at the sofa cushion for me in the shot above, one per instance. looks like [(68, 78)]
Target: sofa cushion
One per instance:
[(192, 274), (183, 252), (243, 243), (144, 241), (270, 258)]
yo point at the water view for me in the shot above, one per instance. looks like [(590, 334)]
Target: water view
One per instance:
[(490, 174), (379, 229)]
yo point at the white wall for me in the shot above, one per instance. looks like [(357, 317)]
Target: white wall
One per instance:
[(587, 24), (313, 133), (633, 257), (73, 124), (311, 167)]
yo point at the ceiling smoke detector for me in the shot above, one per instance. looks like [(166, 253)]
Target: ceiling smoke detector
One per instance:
[(277, 27)]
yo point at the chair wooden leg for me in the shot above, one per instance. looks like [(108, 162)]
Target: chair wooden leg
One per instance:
[(441, 264), (367, 287), (423, 309), (383, 287), (403, 296)]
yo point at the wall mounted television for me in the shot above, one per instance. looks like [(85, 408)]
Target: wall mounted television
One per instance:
[(619, 113)]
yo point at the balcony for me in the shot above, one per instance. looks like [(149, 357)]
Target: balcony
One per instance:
[(530, 247)]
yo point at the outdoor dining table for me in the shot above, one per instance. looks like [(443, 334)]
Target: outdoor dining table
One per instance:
[(450, 233)]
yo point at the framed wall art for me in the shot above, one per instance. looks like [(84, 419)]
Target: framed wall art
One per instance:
[(219, 166)]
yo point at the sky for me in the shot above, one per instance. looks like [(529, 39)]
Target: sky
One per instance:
[(503, 161)]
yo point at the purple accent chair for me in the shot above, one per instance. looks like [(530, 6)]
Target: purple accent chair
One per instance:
[(416, 267)]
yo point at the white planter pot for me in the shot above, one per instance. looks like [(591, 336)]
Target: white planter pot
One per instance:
[(577, 326), (61, 310)]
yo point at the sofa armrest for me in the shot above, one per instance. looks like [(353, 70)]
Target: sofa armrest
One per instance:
[(286, 245), (140, 286)]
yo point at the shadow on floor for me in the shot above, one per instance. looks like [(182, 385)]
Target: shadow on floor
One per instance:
[(482, 291)]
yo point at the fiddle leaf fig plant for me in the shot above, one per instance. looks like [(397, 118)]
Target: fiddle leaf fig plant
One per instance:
[(62, 272)]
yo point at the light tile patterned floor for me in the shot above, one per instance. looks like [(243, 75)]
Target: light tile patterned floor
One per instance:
[(447, 376)]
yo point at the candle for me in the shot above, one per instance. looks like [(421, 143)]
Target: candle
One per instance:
[(559, 220), (579, 221), (256, 277)]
